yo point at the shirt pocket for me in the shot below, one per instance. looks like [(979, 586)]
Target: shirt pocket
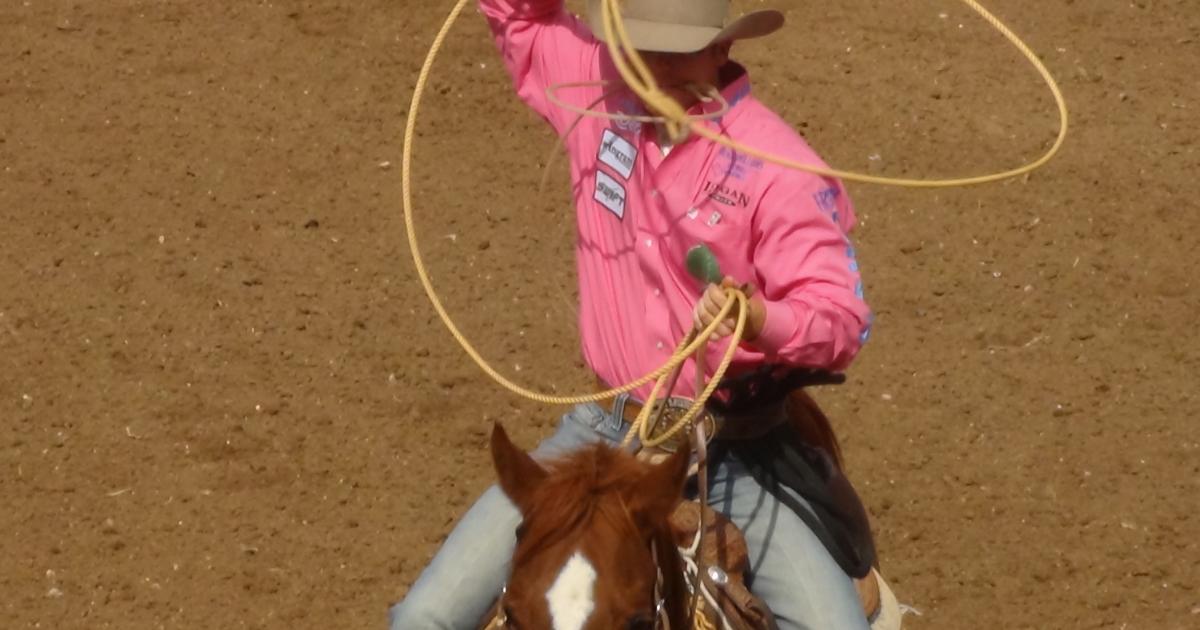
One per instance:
[(719, 217)]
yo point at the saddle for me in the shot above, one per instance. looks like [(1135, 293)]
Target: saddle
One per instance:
[(791, 443), (725, 560)]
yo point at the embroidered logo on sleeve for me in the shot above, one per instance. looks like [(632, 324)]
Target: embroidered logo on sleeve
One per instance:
[(827, 201), (610, 194), (618, 153)]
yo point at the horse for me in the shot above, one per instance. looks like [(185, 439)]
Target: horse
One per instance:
[(595, 548)]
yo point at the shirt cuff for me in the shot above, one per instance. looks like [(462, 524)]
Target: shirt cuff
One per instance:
[(779, 328)]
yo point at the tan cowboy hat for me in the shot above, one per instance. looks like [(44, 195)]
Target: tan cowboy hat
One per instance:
[(684, 26)]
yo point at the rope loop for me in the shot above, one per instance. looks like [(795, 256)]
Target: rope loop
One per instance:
[(678, 124)]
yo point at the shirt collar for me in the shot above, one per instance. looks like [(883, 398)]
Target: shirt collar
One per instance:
[(735, 91)]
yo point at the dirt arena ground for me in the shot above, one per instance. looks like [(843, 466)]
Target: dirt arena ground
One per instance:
[(226, 403)]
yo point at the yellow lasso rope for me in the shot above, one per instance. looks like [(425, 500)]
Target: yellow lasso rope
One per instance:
[(689, 346), (639, 79), (635, 73)]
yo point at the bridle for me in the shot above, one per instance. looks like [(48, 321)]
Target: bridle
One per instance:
[(689, 557), (662, 620)]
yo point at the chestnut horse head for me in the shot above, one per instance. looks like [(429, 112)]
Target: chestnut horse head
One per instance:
[(594, 549)]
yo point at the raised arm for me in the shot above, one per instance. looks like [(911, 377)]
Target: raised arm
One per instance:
[(542, 44)]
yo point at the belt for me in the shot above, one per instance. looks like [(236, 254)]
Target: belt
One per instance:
[(632, 407), (675, 409), (727, 426)]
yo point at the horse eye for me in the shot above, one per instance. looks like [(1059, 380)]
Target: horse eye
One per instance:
[(643, 621)]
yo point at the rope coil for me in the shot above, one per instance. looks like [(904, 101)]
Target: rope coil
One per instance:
[(677, 122)]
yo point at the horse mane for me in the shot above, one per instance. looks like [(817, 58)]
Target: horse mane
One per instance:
[(572, 495)]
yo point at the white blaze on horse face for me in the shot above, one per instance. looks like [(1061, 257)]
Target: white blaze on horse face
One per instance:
[(571, 597)]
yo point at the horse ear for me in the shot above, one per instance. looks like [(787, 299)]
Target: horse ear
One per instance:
[(518, 474), (661, 489)]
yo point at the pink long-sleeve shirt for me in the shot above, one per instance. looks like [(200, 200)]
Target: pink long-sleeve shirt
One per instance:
[(640, 209)]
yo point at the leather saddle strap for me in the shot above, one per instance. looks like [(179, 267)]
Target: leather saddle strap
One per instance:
[(701, 446), (834, 512)]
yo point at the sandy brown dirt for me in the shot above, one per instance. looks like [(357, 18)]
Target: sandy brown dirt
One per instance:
[(226, 403)]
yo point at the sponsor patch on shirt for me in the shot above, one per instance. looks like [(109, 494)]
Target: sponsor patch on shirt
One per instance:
[(726, 194), (618, 153), (730, 164), (610, 193)]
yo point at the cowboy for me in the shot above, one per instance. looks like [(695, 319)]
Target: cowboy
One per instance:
[(643, 199)]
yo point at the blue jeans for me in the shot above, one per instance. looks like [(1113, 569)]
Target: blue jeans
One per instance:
[(790, 569)]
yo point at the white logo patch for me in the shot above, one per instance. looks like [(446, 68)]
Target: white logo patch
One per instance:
[(571, 595), (610, 194), (618, 153)]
